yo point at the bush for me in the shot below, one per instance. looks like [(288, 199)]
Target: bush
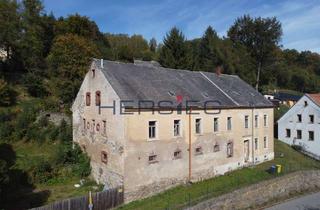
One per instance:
[(42, 172), (35, 86), (7, 94)]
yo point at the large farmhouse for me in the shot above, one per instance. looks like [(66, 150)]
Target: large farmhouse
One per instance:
[(148, 128), (300, 125)]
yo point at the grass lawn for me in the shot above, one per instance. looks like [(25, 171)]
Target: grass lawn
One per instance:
[(181, 196)]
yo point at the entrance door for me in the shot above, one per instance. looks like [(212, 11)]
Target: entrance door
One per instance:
[(246, 150)]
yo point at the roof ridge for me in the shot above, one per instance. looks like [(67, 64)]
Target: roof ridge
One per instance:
[(219, 88)]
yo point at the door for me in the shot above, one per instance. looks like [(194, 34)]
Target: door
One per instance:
[(246, 150)]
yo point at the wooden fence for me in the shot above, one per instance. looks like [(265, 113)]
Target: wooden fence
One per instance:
[(101, 201)]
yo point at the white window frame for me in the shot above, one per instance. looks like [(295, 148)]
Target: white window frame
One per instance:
[(265, 120), (216, 124), (256, 121), (200, 126), (179, 128), (229, 129), (156, 128), (246, 122)]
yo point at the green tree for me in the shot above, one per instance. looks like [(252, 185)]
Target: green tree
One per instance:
[(9, 26), (210, 54), (69, 58), (7, 94), (32, 43), (175, 53), (153, 45), (260, 35)]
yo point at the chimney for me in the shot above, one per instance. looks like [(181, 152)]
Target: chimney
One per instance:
[(101, 63), (218, 70)]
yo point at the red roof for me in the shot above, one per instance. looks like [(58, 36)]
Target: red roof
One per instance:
[(315, 97)]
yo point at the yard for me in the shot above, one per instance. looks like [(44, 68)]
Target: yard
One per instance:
[(181, 196)]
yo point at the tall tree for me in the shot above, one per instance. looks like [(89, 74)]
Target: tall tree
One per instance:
[(210, 55), (68, 60), (174, 53), (153, 45), (9, 26), (32, 43), (260, 35)]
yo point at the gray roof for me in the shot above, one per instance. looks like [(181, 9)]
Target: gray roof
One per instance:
[(141, 81)]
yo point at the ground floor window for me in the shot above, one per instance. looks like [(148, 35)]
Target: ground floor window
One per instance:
[(299, 134), (230, 149), (311, 135)]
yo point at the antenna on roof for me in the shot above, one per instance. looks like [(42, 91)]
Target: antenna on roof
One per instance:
[(101, 63)]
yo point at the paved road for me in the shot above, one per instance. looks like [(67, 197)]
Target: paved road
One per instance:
[(308, 202)]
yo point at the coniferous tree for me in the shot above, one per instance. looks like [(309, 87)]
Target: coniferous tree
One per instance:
[(175, 53), (209, 51)]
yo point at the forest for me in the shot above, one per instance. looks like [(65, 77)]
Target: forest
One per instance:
[(44, 59)]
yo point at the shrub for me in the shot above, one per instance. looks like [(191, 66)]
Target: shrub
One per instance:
[(42, 172), (35, 86), (7, 94)]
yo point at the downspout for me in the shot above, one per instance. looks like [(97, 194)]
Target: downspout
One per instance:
[(252, 134), (190, 145)]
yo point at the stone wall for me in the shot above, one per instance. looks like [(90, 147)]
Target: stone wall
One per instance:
[(258, 194)]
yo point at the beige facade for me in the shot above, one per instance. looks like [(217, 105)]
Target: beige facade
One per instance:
[(148, 152)]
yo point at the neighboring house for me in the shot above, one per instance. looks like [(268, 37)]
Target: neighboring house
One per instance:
[(300, 125), (275, 102), (286, 98), (145, 149)]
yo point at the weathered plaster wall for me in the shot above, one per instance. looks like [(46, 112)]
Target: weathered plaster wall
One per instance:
[(143, 179), (263, 192), (93, 141)]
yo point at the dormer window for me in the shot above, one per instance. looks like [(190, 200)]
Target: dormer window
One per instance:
[(88, 98), (93, 72), (305, 103)]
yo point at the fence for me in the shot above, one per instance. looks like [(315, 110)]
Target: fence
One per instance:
[(101, 201)]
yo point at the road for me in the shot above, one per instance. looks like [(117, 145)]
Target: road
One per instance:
[(308, 202)]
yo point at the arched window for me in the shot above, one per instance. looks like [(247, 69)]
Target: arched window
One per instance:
[(98, 98), (88, 99)]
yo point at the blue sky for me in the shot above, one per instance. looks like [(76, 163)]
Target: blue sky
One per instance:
[(153, 18)]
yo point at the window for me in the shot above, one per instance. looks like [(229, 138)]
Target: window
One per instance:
[(305, 103), (256, 117), (88, 99), (177, 154), (198, 150), (98, 98), (265, 120), (93, 72), (256, 143), (198, 126), (98, 127), (299, 134), (93, 125), (229, 125), (104, 127), (311, 118), (299, 117), (152, 159), (311, 135), (230, 149), (288, 133), (215, 124), (152, 129), (216, 147), (176, 127), (104, 157), (246, 121), (265, 143), (84, 124)]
